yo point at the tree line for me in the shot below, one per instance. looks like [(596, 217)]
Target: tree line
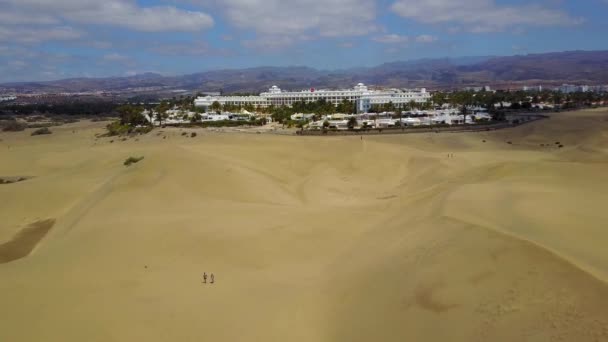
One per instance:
[(93, 108)]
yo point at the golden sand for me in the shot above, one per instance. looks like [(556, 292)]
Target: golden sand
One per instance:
[(309, 238)]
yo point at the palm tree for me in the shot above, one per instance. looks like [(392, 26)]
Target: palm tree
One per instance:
[(352, 123), (216, 106), (161, 112), (412, 105), (464, 112)]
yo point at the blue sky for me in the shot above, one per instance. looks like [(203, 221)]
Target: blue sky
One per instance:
[(54, 39)]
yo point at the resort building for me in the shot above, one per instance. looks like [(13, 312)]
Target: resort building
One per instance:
[(363, 97), (255, 101)]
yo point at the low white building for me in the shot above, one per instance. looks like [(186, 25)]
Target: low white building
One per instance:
[(301, 116)]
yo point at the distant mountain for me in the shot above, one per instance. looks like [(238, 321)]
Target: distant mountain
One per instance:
[(590, 67)]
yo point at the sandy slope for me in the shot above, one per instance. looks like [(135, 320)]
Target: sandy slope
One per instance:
[(310, 238)]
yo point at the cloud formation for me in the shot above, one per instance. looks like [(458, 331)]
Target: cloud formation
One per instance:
[(481, 15), (32, 35), (426, 38), (391, 39), (118, 13), (41, 39), (297, 18)]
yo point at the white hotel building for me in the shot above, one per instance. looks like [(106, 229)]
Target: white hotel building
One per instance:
[(360, 94)]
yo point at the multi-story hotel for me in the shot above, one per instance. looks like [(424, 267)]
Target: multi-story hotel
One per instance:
[(360, 95)]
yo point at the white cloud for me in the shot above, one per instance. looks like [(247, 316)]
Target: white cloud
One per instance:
[(482, 15), (329, 18), (152, 19), (11, 17), (99, 44), (268, 43), (196, 48), (391, 39), (122, 13), (115, 57), (17, 64), (30, 35), (24, 63), (426, 38)]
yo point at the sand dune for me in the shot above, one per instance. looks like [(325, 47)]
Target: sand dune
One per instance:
[(310, 239)]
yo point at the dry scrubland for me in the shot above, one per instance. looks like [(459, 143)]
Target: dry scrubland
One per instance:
[(309, 238)]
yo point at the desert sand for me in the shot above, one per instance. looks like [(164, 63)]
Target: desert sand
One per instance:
[(309, 238)]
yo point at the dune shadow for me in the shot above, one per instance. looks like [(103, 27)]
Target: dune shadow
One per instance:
[(22, 244)]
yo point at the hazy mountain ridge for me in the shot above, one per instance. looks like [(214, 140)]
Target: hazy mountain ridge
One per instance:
[(573, 66)]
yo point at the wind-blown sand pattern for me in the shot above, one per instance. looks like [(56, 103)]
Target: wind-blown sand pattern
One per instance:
[(310, 239)]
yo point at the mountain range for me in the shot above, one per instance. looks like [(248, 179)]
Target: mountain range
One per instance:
[(585, 67)]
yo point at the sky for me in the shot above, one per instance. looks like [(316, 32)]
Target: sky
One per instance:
[(55, 39)]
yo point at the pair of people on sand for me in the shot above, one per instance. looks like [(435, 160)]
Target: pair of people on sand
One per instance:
[(205, 278)]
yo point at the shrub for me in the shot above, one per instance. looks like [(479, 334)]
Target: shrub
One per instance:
[(14, 126), (142, 130), (192, 135), (228, 123), (41, 131), (116, 128), (132, 160)]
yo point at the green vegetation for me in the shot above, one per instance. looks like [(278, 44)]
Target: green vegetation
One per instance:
[(230, 123), (352, 123), (518, 100), (132, 160), (161, 111), (76, 108), (196, 118), (216, 107), (42, 131), (13, 126), (131, 122), (117, 128), (283, 114), (131, 115)]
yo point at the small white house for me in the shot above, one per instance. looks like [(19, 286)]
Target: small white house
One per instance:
[(301, 116)]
